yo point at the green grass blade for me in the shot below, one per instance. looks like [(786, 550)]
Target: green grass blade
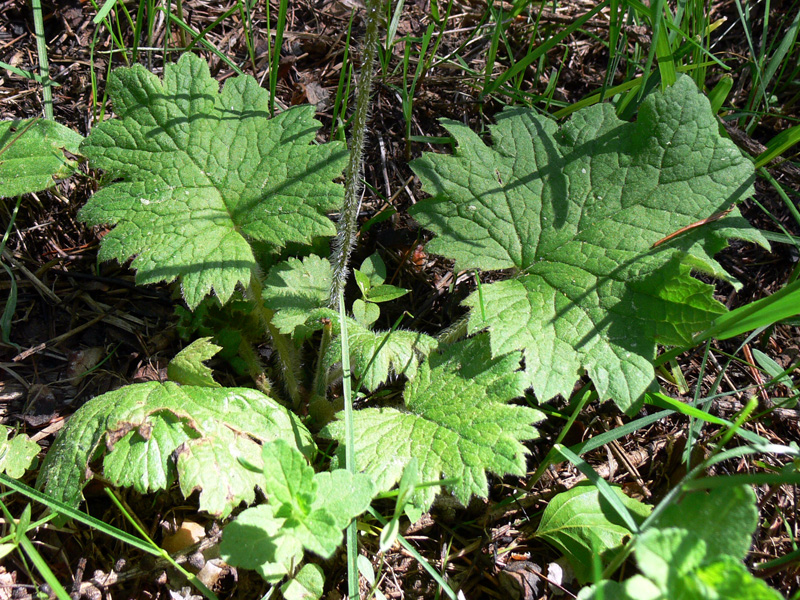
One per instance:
[(342, 89), (27, 74), (790, 205), (391, 32), (41, 50), (276, 56), (184, 28), (664, 401), (666, 61), (523, 63), (43, 568), (497, 17), (719, 94), (789, 38), (419, 558), (726, 481), (201, 36), (602, 486), (781, 305), (778, 145), (63, 509), (595, 98), (349, 449), (21, 540), (107, 7), (164, 554)]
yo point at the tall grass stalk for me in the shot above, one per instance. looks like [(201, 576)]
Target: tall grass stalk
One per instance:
[(349, 449), (44, 67)]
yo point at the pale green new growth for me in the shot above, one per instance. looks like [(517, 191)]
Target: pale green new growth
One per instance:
[(308, 584), (17, 454), (202, 173), (580, 523), (575, 211), (187, 367), (32, 155), (456, 423), (155, 433), (305, 511)]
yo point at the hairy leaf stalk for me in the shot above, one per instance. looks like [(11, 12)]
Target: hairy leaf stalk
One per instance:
[(286, 351), (347, 228)]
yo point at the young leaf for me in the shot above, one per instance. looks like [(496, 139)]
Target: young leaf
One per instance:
[(362, 281), (17, 454), (676, 561), (155, 433), (729, 579), (295, 290), (32, 155), (635, 588), (456, 424), (306, 511), (308, 584), (405, 489), (365, 568), (259, 540), (666, 555), (374, 268), (366, 313), (725, 519), (396, 352), (201, 173), (577, 211), (674, 565), (187, 367), (343, 494), (580, 523), (385, 293)]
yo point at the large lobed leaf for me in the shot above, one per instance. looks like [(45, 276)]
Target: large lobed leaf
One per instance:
[(376, 355), (32, 155), (298, 292), (456, 423), (202, 173), (156, 432), (575, 212)]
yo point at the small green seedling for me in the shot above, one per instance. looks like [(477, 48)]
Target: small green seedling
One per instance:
[(370, 280), (305, 511)]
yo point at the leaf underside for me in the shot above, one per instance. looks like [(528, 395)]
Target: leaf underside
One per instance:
[(575, 212), (456, 423), (203, 173), (154, 433)]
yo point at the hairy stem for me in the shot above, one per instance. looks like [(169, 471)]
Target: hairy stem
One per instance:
[(283, 346), (320, 376), (347, 228)]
